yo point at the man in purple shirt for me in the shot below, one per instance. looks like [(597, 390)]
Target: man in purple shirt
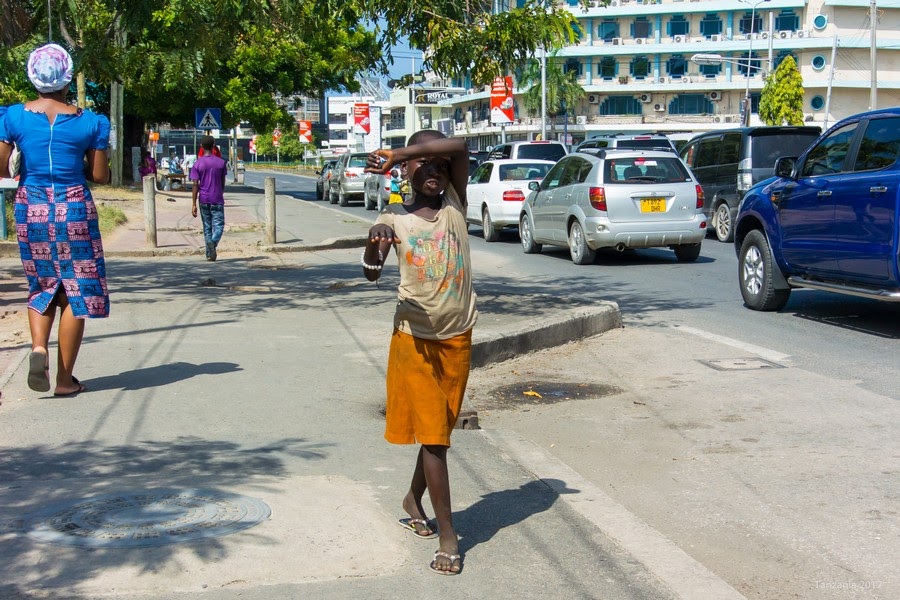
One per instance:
[(208, 174)]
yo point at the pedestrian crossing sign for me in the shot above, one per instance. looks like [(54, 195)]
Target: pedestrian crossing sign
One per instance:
[(208, 118)]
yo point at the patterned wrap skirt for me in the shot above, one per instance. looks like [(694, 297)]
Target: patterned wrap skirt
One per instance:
[(59, 241)]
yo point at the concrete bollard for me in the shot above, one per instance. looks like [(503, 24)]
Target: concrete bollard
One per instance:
[(149, 183), (270, 210)]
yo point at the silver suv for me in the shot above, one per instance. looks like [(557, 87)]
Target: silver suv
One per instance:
[(348, 178), (626, 142)]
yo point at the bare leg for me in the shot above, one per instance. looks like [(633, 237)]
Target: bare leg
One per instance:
[(412, 502), (434, 463), (38, 362), (71, 332)]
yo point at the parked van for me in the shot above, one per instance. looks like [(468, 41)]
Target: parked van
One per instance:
[(728, 162), (538, 149)]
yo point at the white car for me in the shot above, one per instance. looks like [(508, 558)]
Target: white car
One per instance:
[(496, 191)]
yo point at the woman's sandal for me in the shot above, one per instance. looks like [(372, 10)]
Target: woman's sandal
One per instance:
[(38, 371), (453, 558), (430, 526), (81, 388)]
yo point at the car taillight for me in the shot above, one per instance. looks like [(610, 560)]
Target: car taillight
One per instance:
[(514, 196), (700, 196), (350, 174), (597, 196)]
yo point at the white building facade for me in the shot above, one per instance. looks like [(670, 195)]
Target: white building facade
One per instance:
[(633, 59)]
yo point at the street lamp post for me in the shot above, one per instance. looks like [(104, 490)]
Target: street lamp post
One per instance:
[(746, 115)]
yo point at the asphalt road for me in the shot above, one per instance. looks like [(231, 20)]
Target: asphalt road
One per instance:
[(835, 335)]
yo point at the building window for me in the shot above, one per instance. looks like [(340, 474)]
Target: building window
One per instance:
[(641, 28), (607, 67), (787, 21), (608, 30), (710, 71), (690, 104), (678, 25), (578, 30), (573, 66), (753, 62), (640, 67), (711, 25), (745, 24), (620, 105), (818, 62), (817, 103), (676, 66), (820, 22)]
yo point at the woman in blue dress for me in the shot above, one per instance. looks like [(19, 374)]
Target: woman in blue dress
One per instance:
[(62, 147)]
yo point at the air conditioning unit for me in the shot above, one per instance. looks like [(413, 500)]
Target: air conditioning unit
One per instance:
[(594, 98), (729, 118), (639, 41), (717, 119), (616, 41), (614, 3), (646, 98), (715, 38), (662, 80), (802, 33), (623, 79), (748, 36), (678, 39), (659, 108), (784, 34), (716, 96), (685, 79), (470, 91), (581, 120), (764, 35)]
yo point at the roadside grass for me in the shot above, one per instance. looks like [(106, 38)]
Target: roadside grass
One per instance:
[(110, 217)]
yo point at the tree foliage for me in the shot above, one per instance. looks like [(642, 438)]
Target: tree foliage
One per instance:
[(563, 89), (781, 102)]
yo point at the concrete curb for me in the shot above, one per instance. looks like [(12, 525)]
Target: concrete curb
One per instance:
[(356, 241), (568, 326)]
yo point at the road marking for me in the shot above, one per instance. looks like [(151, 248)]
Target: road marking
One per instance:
[(766, 353), (673, 567)]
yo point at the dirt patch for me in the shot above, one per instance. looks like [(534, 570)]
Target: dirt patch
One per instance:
[(540, 392)]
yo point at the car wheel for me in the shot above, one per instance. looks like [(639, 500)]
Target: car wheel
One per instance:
[(724, 229), (526, 236), (367, 199), (755, 269), (332, 197), (578, 248), (320, 193), (342, 197), (687, 252), (490, 234), (379, 206)]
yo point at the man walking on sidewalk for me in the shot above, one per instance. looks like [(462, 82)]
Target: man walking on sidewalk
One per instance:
[(208, 174)]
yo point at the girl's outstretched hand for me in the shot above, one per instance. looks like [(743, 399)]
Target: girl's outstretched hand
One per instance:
[(379, 161)]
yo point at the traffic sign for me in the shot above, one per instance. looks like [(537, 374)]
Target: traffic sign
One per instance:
[(208, 118)]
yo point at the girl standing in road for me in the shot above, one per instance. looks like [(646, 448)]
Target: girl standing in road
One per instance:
[(62, 147)]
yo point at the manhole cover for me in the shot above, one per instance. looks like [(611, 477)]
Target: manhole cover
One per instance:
[(546, 392), (741, 364), (149, 518)]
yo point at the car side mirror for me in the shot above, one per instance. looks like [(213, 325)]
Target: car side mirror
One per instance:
[(784, 166), (534, 186)]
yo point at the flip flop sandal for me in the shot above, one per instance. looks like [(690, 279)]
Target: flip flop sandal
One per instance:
[(38, 372), (81, 388), (410, 524), (453, 558)]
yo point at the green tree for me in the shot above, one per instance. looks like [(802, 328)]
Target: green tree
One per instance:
[(563, 89), (781, 101)]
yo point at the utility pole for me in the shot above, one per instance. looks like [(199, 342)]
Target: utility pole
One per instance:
[(873, 54)]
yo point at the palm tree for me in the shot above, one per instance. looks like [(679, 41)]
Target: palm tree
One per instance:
[(563, 89)]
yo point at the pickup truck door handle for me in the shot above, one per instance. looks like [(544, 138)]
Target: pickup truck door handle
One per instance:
[(878, 189), (825, 193)]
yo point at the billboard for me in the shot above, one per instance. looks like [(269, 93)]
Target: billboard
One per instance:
[(304, 131), (502, 104), (361, 121)]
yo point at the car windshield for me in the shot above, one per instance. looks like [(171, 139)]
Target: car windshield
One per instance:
[(358, 161), (523, 171), (766, 149), (644, 144), (644, 170), (552, 152)]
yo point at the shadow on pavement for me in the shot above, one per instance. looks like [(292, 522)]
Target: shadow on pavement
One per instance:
[(159, 375)]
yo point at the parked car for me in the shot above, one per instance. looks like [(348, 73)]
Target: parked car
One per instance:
[(829, 220), (728, 162), (496, 191), (322, 180), (621, 142), (615, 199), (376, 190), (347, 178), (538, 149)]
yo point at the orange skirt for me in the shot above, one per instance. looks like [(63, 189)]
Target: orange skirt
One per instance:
[(426, 382)]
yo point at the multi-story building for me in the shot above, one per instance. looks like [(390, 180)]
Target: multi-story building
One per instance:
[(633, 59)]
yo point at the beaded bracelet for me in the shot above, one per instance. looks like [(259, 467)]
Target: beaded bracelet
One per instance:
[(362, 259)]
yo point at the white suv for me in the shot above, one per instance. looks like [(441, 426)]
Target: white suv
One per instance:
[(536, 150)]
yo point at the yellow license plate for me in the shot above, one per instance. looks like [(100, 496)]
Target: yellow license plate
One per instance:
[(653, 205)]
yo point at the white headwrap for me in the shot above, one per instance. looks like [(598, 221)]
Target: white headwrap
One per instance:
[(50, 68)]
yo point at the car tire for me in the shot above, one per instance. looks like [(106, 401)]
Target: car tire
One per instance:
[(342, 197), (367, 200), (687, 252), (490, 233), (723, 223), (332, 197), (320, 193), (526, 236), (578, 248), (755, 274)]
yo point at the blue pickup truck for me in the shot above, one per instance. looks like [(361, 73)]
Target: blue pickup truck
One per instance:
[(828, 220)]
